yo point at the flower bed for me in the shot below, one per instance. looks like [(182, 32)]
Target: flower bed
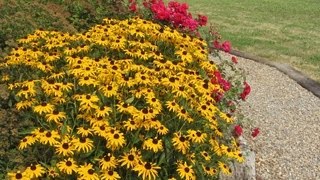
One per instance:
[(128, 98)]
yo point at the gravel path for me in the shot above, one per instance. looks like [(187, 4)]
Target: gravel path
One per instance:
[(288, 116)]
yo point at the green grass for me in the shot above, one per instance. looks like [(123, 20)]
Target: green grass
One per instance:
[(283, 31)]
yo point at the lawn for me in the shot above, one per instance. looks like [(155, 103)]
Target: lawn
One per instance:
[(282, 31)]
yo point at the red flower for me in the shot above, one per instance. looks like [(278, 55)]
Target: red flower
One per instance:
[(202, 20), (216, 44), (234, 59), (133, 7), (255, 132), (238, 130), (246, 91), (226, 46)]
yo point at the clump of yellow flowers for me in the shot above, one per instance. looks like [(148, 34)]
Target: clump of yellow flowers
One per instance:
[(127, 99)]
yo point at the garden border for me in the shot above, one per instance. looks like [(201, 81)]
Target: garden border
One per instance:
[(307, 83)]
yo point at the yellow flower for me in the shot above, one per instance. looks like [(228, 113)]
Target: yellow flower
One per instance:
[(35, 171), (110, 175), (224, 168), (108, 162), (147, 170), (154, 144), (205, 155), (87, 172), (162, 130), (209, 170), (18, 175), (180, 143), (185, 171), (67, 166), (50, 137), (131, 124), (197, 136), (131, 159), (43, 108), (103, 111), (84, 131), (65, 148), (87, 102), (56, 116), (83, 144), (27, 141), (115, 139), (52, 172)]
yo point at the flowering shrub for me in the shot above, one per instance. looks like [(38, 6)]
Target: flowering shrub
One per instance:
[(128, 98), (175, 14)]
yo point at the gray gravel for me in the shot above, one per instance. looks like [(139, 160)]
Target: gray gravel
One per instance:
[(288, 116)]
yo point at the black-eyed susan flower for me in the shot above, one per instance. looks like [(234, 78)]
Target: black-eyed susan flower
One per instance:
[(162, 130), (103, 111), (50, 137), (67, 166), (52, 172), (109, 175), (153, 144), (56, 116), (180, 143), (86, 172), (147, 170), (224, 168), (43, 108), (108, 162), (115, 139), (209, 171), (84, 144), (131, 124), (18, 175), (205, 155), (185, 171), (84, 131), (131, 158), (196, 136), (35, 171), (64, 148), (87, 101), (27, 141), (23, 105)]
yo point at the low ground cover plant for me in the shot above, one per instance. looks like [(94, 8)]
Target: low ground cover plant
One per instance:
[(126, 99)]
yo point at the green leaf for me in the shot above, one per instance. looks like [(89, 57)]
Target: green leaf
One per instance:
[(130, 100)]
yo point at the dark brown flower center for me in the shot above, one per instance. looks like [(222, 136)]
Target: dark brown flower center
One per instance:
[(65, 146), (88, 96), (90, 171), (48, 134), (198, 134), (116, 136), (33, 167), (69, 163), (18, 176), (155, 141), (82, 140), (130, 157), (110, 173), (148, 166), (182, 139), (186, 169)]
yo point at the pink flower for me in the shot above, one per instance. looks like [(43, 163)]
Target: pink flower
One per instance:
[(238, 130), (202, 20), (216, 44), (255, 132), (234, 59), (133, 7), (226, 46), (246, 91)]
